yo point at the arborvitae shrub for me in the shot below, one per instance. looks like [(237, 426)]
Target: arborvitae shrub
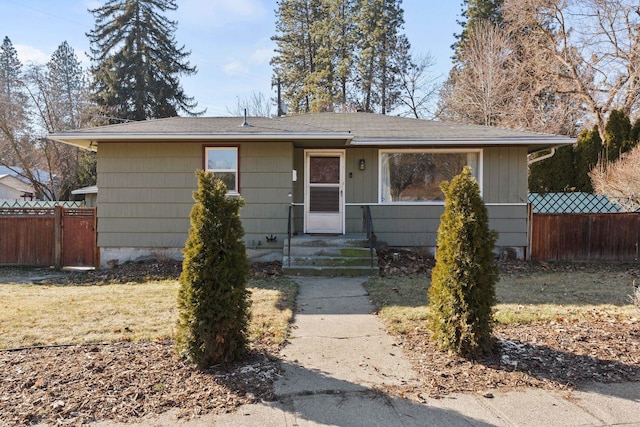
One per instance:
[(462, 291), (213, 300)]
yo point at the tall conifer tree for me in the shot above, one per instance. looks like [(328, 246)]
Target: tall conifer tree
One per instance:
[(137, 63), (17, 150), (63, 100), (335, 54), (381, 51), (295, 51)]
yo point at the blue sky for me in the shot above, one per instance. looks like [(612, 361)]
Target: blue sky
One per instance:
[(229, 40)]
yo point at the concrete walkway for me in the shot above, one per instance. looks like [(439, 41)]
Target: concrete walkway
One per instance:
[(339, 353)]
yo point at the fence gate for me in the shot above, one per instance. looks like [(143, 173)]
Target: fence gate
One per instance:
[(60, 237)]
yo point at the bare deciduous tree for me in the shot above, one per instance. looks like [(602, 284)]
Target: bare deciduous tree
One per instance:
[(620, 180), (483, 84), (418, 87), (585, 49), (257, 105)]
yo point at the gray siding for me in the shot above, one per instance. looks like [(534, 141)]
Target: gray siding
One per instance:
[(146, 195), (505, 175), (362, 186), (408, 226), (146, 192), (265, 185)]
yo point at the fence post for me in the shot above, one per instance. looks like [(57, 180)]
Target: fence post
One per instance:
[(57, 237), (529, 231)]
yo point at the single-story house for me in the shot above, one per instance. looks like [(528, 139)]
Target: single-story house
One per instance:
[(326, 166), (12, 188)]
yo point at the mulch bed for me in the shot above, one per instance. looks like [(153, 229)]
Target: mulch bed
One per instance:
[(558, 355), (124, 381)]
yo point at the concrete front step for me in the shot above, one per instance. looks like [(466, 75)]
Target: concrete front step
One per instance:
[(328, 256), (305, 251), (327, 241)]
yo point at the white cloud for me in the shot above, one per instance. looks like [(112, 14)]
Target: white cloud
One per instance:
[(29, 54), (234, 67), (261, 55)]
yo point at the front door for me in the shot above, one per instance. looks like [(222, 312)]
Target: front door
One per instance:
[(324, 191)]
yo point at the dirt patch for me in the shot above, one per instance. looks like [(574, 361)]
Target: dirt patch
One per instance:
[(557, 355), (123, 381)]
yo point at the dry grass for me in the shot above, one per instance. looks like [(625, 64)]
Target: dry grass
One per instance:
[(272, 304), (63, 314), (522, 298)]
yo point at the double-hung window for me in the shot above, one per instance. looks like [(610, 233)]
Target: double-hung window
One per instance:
[(414, 176), (223, 162)]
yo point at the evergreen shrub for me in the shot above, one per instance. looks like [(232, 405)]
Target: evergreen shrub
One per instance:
[(213, 300), (462, 291)]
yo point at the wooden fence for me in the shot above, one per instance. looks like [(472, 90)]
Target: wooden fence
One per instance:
[(585, 237), (58, 237)]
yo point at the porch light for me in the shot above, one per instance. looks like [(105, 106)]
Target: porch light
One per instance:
[(362, 164)]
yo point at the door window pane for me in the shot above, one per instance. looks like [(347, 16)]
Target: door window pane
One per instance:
[(324, 170), (324, 199)]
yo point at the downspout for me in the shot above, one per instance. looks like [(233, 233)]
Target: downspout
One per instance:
[(543, 157), (551, 153)]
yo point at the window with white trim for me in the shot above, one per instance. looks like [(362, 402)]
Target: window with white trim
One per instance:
[(223, 162), (414, 176)]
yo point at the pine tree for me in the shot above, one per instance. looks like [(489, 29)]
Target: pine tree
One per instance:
[(334, 54), (462, 291), (69, 87), (382, 50), (63, 100), (137, 62), (213, 301), (17, 149), (13, 99), (296, 51), (476, 12)]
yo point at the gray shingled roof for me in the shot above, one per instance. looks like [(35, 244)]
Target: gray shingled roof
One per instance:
[(352, 128)]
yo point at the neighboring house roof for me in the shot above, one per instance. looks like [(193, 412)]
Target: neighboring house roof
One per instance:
[(18, 172), (15, 184), (571, 203), (357, 129)]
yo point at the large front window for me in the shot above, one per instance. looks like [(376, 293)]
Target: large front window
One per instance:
[(223, 162), (414, 176)]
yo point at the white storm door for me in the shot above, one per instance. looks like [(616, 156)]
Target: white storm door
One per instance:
[(324, 192)]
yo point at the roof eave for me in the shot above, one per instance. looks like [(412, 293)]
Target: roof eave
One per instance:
[(533, 143), (90, 141)]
